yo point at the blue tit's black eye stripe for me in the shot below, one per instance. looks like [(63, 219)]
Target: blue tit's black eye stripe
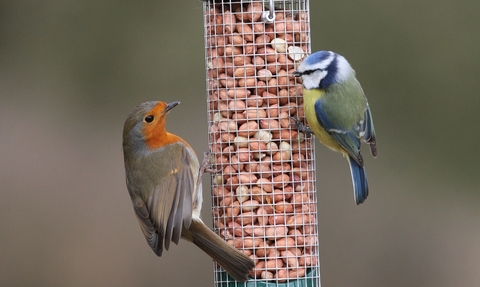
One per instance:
[(308, 72)]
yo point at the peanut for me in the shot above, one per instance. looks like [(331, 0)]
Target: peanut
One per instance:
[(248, 129), (254, 11), (275, 232)]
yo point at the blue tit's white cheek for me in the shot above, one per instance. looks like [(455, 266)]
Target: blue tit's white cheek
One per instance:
[(312, 81), (344, 70)]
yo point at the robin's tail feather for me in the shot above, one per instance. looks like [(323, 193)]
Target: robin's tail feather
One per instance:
[(237, 264)]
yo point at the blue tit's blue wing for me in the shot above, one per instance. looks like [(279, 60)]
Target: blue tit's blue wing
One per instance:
[(346, 136)]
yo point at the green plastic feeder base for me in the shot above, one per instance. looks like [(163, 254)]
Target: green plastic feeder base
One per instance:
[(309, 280)]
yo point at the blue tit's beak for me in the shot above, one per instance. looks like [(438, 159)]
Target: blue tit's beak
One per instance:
[(296, 74)]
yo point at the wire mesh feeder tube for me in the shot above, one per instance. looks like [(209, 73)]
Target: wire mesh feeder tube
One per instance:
[(263, 199)]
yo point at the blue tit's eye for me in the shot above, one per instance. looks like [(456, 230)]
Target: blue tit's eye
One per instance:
[(149, 119), (308, 72)]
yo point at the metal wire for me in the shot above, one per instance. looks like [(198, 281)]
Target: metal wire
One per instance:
[(264, 199)]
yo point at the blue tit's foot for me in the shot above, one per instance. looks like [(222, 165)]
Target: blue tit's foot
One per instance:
[(297, 124)]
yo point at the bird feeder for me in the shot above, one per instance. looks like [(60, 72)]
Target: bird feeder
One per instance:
[(264, 196)]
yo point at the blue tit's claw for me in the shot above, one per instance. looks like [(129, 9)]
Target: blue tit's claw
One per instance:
[(301, 127)]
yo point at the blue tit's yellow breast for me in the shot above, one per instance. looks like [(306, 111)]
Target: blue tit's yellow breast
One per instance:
[(309, 99)]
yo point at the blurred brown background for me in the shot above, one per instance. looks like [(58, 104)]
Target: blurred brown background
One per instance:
[(71, 71)]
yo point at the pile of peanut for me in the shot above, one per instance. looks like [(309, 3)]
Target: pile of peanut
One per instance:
[(264, 200)]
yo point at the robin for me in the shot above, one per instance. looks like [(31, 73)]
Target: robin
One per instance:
[(163, 177)]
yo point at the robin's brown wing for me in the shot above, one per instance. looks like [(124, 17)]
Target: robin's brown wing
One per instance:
[(167, 206)]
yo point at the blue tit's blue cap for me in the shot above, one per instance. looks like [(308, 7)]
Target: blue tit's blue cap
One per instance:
[(318, 57)]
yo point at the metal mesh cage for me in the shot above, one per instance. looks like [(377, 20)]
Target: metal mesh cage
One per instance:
[(264, 197)]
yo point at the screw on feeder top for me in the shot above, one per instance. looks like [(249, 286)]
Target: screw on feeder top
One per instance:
[(269, 16)]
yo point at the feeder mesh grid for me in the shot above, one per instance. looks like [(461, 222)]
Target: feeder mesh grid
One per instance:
[(263, 197)]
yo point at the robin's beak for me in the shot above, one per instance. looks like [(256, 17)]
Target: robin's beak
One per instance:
[(170, 106)]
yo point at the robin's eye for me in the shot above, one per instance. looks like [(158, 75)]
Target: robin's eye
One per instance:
[(149, 119)]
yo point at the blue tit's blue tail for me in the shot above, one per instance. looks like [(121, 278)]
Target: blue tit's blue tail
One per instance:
[(359, 179)]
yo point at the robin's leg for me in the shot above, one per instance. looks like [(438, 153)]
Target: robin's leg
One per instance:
[(205, 167)]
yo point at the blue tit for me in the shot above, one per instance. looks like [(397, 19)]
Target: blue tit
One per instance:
[(337, 111)]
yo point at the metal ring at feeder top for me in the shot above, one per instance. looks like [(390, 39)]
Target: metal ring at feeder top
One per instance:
[(269, 16)]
